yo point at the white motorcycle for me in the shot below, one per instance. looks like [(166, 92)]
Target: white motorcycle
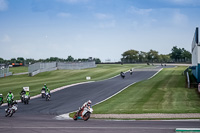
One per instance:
[(85, 115), (43, 92), (26, 99), (47, 96), (10, 111)]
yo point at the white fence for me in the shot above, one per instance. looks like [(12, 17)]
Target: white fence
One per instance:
[(76, 65), (43, 67), (5, 72)]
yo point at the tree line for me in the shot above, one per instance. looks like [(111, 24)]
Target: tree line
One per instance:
[(176, 55), (51, 59)]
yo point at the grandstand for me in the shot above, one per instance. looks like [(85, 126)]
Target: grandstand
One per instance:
[(196, 55)]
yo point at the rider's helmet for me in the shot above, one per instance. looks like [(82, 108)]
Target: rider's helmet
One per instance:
[(45, 85), (10, 92), (89, 102)]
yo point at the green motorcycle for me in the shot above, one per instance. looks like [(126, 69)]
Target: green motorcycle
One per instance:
[(1, 99), (9, 101)]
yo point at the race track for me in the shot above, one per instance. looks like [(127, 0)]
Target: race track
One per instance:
[(39, 115)]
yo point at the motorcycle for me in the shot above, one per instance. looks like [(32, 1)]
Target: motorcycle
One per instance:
[(47, 96), (22, 97), (11, 110), (85, 115), (122, 75), (26, 99), (1, 99), (9, 101), (43, 92)]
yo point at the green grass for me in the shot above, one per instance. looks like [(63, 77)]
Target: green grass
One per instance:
[(58, 78), (165, 93), (20, 69)]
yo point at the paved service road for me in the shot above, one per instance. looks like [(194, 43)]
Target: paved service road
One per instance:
[(39, 115)]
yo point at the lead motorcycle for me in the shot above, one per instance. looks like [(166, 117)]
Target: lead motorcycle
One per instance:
[(85, 115), (11, 110), (122, 75)]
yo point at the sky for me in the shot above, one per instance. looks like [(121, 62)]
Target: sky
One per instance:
[(102, 29)]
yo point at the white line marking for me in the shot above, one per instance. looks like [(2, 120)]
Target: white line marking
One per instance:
[(155, 128), (156, 73)]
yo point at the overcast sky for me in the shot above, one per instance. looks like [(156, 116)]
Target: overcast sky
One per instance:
[(95, 28)]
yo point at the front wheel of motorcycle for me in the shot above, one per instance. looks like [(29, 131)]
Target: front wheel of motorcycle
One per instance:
[(11, 113), (7, 113), (86, 116)]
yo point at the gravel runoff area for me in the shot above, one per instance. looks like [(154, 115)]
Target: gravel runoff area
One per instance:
[(147, 116)]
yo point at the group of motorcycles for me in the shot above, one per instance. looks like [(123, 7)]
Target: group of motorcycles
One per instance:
[(12, 105), (122, 74)]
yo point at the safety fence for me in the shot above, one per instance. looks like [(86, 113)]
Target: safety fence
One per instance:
[(76, 65), (43, 67), (5, 72)]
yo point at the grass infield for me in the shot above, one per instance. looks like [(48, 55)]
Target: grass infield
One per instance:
[(165, 93), (59, 78)]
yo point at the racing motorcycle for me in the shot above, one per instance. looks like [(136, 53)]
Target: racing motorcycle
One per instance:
[(47, 95), (1, 99), (9, 101), (26, 99), (43, 92), (85, 115), (22, 97), (122, 75), (11, 110)]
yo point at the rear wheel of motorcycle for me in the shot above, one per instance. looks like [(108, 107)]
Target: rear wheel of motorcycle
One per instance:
[(75, 116), (86, 116)]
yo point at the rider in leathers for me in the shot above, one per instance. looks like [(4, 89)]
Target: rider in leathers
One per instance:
[(85, 105)]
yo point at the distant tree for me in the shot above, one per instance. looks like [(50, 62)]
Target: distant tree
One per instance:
[(164, 58), (142, 56), (130, 56), (1, 60), (180, 54), (186, 55), (13, 60), (97, 60), (152, 56), (70, 58)]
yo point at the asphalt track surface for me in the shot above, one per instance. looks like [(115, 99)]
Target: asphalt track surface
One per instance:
[(39, 115)]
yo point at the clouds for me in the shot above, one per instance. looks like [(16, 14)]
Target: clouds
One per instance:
[(3, 5), (179, 18), (139, 11), (185, 2), (102, 16), (6, 39), (64, 14), (73, 1)]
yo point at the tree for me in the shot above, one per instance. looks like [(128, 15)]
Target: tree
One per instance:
[(130, 56), (70, 58), (142, 56), (97, 60), (180, 55), (176, 54), (152, 56)]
